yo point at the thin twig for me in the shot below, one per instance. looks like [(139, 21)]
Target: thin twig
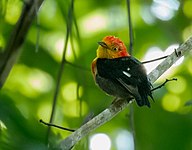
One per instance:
[(69, 26), (149, 61), (38, 28), (130, 28), (119, 105), (170, 60), (163, 84), (53, 125), (131, 113)]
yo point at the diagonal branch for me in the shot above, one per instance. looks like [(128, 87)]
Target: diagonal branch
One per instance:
[(120, 104), (12, 49)]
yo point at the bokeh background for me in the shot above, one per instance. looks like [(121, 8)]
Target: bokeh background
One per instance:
[(159, 26)]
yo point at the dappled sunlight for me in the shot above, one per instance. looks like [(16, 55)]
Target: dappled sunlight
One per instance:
[(164, 9), (70, 100), (48, 11), (161, 9), (100, 141), (2, 126), (171, 102), (93, 22), (156, 52), (44, 111), (159, 26), (178, 86), (51, 17), (187, 8), (172, 4), (53, 43), (73, 51), (124, 140), (70, 108), (58, 53), (187, 32), (69, 91), (162, 12), (189, 66), (40, 81), (100, 20), (70, 53), (152, 53), (13, 11), (146, 15), (31, 82)]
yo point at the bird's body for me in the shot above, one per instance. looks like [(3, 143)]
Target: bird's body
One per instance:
[(119, 74)]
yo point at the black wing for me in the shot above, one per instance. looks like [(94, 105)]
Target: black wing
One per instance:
[(129, 73)]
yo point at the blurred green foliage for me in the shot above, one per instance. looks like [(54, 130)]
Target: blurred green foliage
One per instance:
[(28, 92)]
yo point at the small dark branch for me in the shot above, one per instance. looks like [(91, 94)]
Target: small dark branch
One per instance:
[(177, 53), (130, 52), (144, 62), (69, 26), (130, 28), (38, 28), (56, 126), (163, 84), (132, 125)]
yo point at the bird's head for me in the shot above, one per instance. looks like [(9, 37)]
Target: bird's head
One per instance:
[(111, 47)]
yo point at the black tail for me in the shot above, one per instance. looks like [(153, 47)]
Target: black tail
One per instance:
[(143, 101), (145, 91)]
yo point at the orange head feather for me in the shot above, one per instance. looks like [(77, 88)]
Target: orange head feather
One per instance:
[(111, 47)]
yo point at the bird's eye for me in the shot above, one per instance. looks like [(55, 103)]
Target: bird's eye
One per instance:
[(115, 48)]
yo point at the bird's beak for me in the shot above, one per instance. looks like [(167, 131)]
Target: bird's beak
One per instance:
[(103, 44)]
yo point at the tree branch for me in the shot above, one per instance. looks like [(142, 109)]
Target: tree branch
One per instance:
[(131, 40), (12, 49), (118, 105), (61, 68)]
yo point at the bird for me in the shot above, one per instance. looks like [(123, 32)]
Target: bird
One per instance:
[(119, 74)]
